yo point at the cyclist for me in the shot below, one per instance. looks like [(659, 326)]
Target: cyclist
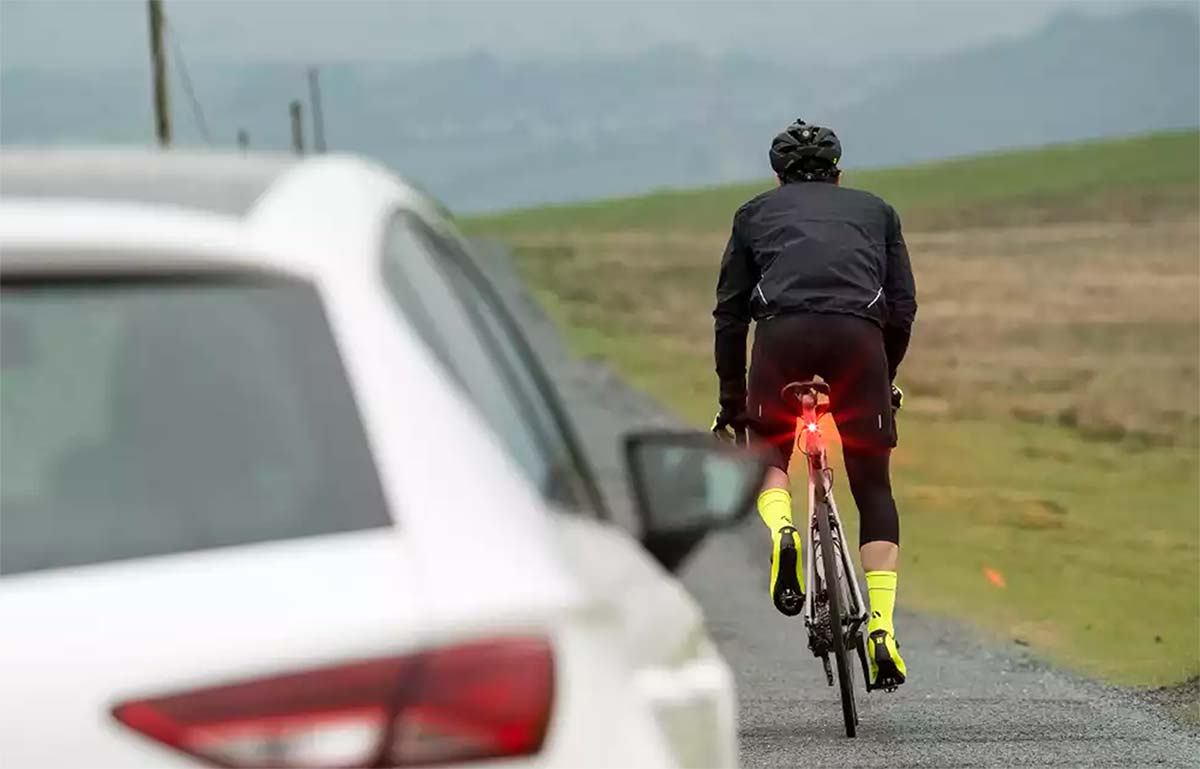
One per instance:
[(823, 271)]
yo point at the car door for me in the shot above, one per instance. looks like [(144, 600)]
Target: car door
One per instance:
[(438, 289)]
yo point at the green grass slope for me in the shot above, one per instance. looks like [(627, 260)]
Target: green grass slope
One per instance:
[(1140, 175), (1047, 474)]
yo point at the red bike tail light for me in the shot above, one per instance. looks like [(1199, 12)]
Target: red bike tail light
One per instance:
[(483, 700), (812, 427)]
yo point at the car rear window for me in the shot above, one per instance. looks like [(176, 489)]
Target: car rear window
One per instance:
[(164, 416)]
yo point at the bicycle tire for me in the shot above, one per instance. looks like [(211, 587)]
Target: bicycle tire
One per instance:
[(833, 595)]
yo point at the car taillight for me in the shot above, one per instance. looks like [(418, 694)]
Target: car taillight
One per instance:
[(482, 700)]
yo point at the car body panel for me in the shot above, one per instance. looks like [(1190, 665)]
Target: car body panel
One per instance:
[(93, 637), (475, 550)]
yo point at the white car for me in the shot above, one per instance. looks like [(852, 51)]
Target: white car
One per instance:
[(282, 487)]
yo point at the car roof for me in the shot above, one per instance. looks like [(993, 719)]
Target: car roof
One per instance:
[(216, 182), (118, 209)]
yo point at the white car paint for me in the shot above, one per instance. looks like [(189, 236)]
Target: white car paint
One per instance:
[(475, 550)]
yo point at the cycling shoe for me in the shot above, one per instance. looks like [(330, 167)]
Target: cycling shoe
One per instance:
[(887, 667), (787, 575)]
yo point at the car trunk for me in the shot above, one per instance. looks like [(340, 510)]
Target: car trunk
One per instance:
[(79, 641)]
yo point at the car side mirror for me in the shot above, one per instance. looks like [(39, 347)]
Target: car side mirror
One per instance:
[(688, 484)]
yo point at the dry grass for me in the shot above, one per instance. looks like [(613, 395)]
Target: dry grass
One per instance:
[(1094, 326)]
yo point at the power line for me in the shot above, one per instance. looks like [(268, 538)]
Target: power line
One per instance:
[(186, 81)]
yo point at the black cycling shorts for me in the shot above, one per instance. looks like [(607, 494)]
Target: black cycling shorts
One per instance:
[(846, 352)]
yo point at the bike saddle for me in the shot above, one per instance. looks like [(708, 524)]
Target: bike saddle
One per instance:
[(795, 392), (799, 389)]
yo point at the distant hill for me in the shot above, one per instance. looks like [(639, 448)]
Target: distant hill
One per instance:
[(489, 133), (1080, 77)]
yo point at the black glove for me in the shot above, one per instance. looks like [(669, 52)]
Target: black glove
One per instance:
[(897, 398), (730, 424)]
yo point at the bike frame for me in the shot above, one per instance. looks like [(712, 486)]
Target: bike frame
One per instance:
[(835, 611), (820, 491)]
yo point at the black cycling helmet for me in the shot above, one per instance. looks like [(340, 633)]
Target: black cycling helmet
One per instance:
[(806, 152)]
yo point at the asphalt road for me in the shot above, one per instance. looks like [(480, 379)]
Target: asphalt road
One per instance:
[(969, 702)]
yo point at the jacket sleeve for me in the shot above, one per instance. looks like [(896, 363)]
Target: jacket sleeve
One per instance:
[(900, 290), (732, 315)]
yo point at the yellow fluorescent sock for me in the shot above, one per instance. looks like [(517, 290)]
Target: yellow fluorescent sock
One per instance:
[(881, 594), (775, 508)]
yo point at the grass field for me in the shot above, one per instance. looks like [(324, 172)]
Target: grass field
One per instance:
[(1047, 474)]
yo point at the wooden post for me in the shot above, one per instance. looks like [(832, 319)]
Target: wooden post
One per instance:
[(297, 126), (314, 103), (158, 63)]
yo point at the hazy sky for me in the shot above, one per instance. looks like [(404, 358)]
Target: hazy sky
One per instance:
[(75, 33)]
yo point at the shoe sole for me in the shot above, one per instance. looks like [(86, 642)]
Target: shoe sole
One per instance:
[(887, 675), (787, 595)]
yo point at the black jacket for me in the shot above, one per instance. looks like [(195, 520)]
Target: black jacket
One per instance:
[(811, 247)]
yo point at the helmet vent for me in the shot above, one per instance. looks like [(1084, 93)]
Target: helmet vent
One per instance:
[(805, 151)]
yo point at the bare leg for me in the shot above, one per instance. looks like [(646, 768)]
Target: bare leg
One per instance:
[(879, 555), (775, 479)]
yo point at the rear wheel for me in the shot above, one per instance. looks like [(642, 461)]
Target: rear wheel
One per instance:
[(833, 592)]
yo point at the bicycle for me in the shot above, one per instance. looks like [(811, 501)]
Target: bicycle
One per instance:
[(835, 612)]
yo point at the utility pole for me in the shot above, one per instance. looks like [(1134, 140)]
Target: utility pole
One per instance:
[(296, 112), (243, 139), (158, 62), (314, 103)]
